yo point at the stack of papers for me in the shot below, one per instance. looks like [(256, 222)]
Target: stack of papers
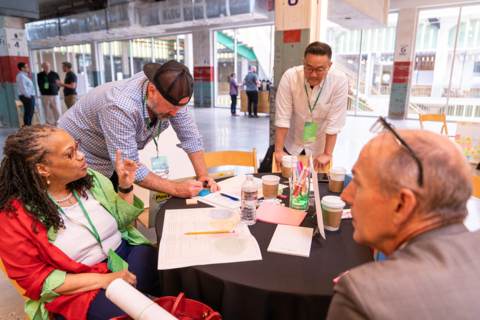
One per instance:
[(292, 240), (178, 250), (231, 187)]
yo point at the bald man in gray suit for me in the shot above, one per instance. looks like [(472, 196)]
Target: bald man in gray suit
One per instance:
[(432, 270)]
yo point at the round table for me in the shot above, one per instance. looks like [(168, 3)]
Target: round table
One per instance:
[(278, 286)]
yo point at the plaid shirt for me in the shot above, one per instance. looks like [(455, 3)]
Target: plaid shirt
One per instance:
[(112, 116)]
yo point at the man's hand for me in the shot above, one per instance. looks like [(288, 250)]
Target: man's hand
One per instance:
[(278, 158), (188, 189), (59, 83), (321, 161), (209, 183)]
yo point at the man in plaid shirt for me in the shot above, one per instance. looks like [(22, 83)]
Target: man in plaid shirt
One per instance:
[(127, 114)]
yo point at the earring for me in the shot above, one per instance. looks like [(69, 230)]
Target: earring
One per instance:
[(48, 181)]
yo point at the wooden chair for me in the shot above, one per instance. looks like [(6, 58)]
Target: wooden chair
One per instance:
[(476, 186), (436, 118), (305, 160), (19, 289), (36, 116), (232, 158)]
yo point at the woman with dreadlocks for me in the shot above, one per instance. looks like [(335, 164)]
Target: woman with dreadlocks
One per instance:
[(58, 223)]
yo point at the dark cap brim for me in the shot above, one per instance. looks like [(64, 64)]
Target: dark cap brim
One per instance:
[(150, 69)]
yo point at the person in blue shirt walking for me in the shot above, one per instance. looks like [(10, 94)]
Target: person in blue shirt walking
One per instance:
[(251, 80), (26, 93)]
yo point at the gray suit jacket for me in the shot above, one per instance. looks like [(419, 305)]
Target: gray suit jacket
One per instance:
[(435, 276)]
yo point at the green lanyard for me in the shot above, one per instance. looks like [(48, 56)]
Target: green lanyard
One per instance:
[(308, 99), (92, 231), (149, 128)]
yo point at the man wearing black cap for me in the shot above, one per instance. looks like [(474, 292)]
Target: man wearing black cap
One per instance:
[(127, 114)]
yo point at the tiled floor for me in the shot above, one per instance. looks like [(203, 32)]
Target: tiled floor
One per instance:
[(223, 132)]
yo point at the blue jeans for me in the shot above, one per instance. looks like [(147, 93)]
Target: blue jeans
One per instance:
[(233, 106), (142, 261), (29, 108)]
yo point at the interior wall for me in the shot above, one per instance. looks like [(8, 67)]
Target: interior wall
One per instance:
[(404, 4)]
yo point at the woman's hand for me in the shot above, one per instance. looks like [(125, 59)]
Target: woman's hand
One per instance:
[(125, 275), (126, 171)]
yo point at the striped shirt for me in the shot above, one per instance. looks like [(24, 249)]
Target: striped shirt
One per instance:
[(112, 116)]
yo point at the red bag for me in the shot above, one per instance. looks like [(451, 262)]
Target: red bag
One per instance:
[(183, 309)]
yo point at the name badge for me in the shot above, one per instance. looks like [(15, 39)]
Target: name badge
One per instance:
[(115, 263), (160, 167), (46, 85), (310, 131)]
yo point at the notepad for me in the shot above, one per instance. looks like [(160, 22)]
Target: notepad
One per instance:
[(272, 213), (291, 240)]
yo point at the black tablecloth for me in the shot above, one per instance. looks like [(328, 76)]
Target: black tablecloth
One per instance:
[(278, 286)]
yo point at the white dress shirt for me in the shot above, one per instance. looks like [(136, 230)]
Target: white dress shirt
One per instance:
[(292, 108), (24, 85), (77, 242)]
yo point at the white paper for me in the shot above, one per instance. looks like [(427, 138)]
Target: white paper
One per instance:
[(232, 187), (178, 250), (318, 204), (292, 240), (135, 303)]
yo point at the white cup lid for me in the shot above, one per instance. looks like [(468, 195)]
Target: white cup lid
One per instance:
[(338, 170), (271, 180), (333, 202), (289, 159)]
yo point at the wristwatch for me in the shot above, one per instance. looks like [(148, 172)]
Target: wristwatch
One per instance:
[(125, 190)]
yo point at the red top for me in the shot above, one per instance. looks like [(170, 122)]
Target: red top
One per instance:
[(29, 258)]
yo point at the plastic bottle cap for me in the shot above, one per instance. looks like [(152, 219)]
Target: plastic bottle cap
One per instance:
[(333, 202)]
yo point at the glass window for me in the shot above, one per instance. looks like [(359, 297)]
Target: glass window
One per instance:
[(165, 49), (142, 53), (369, 72)]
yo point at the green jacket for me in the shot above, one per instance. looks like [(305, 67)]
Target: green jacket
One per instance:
[(123, 213)]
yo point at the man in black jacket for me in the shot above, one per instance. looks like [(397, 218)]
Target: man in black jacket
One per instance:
[(47, 83)]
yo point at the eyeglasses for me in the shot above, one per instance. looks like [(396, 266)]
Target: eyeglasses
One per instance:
[(383, 126), (73, 155), (318, 71)]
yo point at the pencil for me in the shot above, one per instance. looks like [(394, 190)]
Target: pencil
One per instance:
[(209, 232)]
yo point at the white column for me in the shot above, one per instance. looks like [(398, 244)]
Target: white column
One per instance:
[(132, 71), (112, 71), (153, 50), (235, 52)]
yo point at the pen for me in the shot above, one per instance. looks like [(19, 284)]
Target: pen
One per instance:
[(230, 197), (209, 232)]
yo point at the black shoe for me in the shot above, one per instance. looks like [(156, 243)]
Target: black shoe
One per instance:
[(255, 116)]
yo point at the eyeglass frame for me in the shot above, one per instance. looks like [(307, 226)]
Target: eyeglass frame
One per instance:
[(315, 69), (402, 144), (73, 154)]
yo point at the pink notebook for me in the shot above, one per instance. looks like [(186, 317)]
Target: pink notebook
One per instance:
[(272, 213)]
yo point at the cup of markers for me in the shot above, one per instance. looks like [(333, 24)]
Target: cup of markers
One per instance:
[(299, 182)]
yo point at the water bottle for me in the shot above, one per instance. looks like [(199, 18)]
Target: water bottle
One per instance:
[(248, 213)]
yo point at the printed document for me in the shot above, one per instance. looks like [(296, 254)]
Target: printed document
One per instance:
[(178, 250)]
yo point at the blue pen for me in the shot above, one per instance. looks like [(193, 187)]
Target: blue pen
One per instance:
[(230, 197)]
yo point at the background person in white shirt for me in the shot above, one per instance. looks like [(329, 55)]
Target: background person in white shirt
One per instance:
[(326, 88), (26, 92)]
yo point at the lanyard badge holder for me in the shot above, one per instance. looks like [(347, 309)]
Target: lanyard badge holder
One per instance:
[(46, 85), (115, 263), (159, 164), (310, 129)]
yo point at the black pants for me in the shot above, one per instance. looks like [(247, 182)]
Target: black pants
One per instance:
[(252, 98), (29, 108), (142, 262), (301, 153), (233, 106)]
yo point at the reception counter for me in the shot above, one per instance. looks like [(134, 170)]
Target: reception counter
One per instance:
[(263, 102)]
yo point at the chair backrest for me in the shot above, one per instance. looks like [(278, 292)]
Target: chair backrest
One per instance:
[(305, 160), (19, 289), (436, 118), (476, 186), (20, 113), (232, 158)]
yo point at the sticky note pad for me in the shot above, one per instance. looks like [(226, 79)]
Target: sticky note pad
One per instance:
[(204, 193), (457, 136)]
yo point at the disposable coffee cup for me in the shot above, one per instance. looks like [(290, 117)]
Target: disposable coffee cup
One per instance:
[(332, 209), (270, 186), (337, 179), (287, 165)]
